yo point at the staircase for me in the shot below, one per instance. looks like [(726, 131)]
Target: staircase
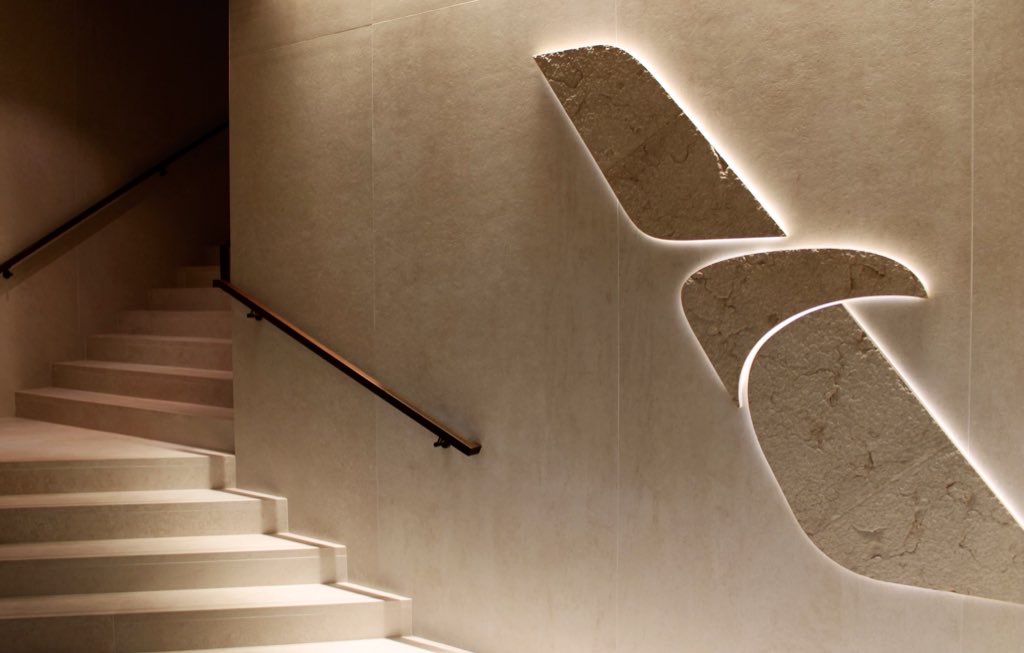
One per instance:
[(120, 526), (165, 373)]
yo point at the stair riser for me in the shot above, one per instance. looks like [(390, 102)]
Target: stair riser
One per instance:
[(130, 633), (170, 387), (197, 324), (192, 430), (65, 523), (198, 277), (211, 255), (203, 355), (95, 575), (116, 476), (188, 299), (58, 634)]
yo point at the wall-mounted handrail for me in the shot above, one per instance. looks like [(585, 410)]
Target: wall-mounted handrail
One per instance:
[(158, 169), (446, 437)]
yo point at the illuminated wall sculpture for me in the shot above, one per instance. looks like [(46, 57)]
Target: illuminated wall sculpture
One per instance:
[(730, 305), (871, 478), (668, 178)]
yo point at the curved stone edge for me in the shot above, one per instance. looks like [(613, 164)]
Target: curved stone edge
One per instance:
[(668, 178), (870, 476), (733, 303)]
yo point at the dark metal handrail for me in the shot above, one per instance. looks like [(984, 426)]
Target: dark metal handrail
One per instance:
[(445, 436), (157, 169)]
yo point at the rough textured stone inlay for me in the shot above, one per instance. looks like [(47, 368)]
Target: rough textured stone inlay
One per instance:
[(871, 477), (668, 178), (731, 304)]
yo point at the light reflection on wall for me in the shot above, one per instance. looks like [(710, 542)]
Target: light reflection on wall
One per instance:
[(719, 250)]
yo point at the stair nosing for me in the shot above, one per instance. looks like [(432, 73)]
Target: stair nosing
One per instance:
[(206, 312), (150, 336), (402, 643), (30, 606), (43, 464), (149, 368), (184, 288), (122, 498), (155, 405), (65, 550)]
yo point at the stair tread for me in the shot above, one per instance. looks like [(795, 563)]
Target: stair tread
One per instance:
[(187, 600), (351, 646), (143, 403), (120, 498), (187, 291), (174, 370), (167, 339), (199, 351), (201, 311), (26, 441), (157, 578), (152, 546)]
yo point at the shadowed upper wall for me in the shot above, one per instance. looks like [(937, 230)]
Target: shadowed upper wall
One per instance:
[(407, 188), (93, 92)]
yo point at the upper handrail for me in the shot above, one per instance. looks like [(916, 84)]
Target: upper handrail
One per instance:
[(446, 437), (157, 169)]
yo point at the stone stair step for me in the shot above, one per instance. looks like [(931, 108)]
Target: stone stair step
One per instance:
[(163, 563), (112, 534), (183, 384), (188, 299), (117, 515), (190, 619), (41, 457), (198, 324), (180, 351), (210, 427), (393, 645)]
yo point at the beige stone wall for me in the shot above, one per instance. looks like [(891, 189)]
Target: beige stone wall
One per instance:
[(92, 93), (407, 188)]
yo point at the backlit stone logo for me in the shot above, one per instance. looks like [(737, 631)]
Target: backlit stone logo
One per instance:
[(871, 477)]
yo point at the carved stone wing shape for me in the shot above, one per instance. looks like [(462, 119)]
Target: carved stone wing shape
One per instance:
[(670, 181), (731, 304), (871, 477)]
